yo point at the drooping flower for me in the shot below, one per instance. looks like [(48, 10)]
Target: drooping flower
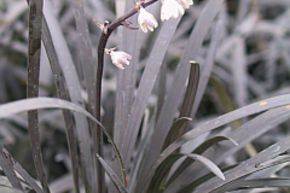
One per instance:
[(185, 3), (171, 9), (146, 20), (119, 58)]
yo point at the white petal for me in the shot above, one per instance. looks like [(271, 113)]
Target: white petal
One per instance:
[(146, 20), (171, 9), (185, 3), (120, 66), (120, 58)]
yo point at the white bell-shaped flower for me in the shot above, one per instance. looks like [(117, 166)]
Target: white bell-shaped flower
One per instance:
[(146, 20), (185, 3), (171, 9), (120, 58)]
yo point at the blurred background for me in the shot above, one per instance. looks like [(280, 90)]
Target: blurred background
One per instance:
[(252, 62)]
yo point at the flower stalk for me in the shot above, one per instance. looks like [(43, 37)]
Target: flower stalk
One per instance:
[(106, 32), (170, 9)]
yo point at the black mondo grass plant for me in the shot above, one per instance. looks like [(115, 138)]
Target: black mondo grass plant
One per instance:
[(195, 101)]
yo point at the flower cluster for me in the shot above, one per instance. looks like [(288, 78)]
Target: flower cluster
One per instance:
[(147, 22)]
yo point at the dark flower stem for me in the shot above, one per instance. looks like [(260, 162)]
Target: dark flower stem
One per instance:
[(99, 74)]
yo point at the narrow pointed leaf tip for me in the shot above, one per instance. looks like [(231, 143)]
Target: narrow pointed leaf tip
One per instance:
[(113, 176), (193, 62), (209, 164)]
